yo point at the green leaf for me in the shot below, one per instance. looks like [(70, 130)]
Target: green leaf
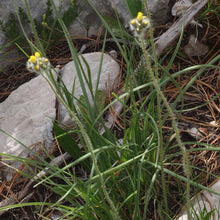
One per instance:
[(117, 28), (99, 103), (134, 6), (181, 54), (82, 105), (68, 144), (100, 100)]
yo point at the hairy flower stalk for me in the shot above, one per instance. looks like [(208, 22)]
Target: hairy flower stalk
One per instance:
[(41, 65), (141, 23)]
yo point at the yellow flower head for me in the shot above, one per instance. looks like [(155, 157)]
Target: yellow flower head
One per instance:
[(133, 22), (44, 23), (140, 24), (46, 60), (37, 67), (140, 16), (37, 54), (145, 22), (38, 64), (33, 59)]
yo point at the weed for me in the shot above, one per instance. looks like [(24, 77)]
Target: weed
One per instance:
[(129, 177)]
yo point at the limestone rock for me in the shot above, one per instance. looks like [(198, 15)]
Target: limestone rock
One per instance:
[(109, 72), (86, 24), (26, 115), (89, 23), (159, 11)]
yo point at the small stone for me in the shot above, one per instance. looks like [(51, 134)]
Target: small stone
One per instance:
[(205, 201)]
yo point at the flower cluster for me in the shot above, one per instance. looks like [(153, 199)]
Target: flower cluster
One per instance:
[(38, 64), (140, 24)]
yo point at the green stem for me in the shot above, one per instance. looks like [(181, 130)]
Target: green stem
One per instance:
[(34, 29), (159, 110), (161, 153)]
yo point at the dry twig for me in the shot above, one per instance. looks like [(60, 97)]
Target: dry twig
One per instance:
[(174, 31)]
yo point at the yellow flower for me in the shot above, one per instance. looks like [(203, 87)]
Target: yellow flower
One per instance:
[(145, 22), (46, 60), (44, 23), (33, 59), (37, 67), (37, 54), (133, 21), (140, 16)]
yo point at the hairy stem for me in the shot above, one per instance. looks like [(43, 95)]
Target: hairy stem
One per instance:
[(157, 87)]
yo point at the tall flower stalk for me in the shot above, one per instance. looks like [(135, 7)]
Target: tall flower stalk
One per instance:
[(140, 25), (41, 65)]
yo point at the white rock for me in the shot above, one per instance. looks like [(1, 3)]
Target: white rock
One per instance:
[(56, 216), (88, 19), (194, 132), (206, 200), (26, 115), (109, 72)]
